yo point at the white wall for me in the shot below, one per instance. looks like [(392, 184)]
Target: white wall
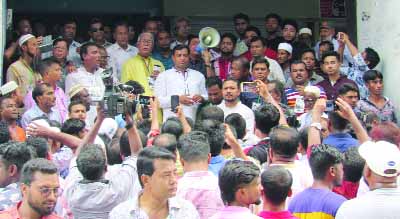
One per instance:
[(378, 27)]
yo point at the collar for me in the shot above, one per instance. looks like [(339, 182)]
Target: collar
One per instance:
[(217, 159), (37, 108), (236, 209), (197, 173), (120, 48), (133, 207)]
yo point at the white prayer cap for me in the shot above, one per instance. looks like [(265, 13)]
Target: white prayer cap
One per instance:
[(8, 88), (25, 38), (286, 46), (306, 31)]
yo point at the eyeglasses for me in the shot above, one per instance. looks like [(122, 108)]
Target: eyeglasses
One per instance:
[(310, 100), (93, 30), (45, 191)]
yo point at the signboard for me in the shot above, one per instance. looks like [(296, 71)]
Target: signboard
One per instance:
[(332, 8)]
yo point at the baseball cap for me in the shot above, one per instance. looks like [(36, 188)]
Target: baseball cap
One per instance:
[(8, 88), (108, 127), (25, 38), (286, 46), (305, 30), (382, 157), (75, 90)]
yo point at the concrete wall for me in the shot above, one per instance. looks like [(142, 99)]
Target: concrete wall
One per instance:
[(379, 28)]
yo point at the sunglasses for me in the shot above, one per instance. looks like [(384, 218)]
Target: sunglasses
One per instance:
[(93, 30)]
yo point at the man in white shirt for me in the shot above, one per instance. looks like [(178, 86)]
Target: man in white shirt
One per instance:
[(180, 80), (231, 103), (89, 75), (120, 51)]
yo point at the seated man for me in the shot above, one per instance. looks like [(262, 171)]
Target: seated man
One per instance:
[(276, 182)]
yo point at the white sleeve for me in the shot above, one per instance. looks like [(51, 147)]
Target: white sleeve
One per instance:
[(276, 71), (203, 90), (160, 90)]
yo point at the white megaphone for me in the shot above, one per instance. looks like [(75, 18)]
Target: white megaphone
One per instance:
[(209, 38)]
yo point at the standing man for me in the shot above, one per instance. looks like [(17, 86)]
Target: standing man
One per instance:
[(9, 114), (69, 33), (96, 33), (143, 68), (214, 92), (60, 52), (182, 30), (274, 33), (22, 71), (285, 51), (163, 51), (183, 81), (40, 189), (223, 65), (241, 22), (120, 51)]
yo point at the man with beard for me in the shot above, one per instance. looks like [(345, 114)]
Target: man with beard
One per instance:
[(69, 33), (22, 71), (11, 89), (239, 182), (40, 189), (223, 65), (43, 95), (232, 104), (327, 170), (273, 28), (241, 22), (163, 51)]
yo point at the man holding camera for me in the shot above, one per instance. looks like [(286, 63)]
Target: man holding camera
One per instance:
[(183, 81)]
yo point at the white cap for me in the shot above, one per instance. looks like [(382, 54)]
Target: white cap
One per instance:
[(25, 38), (382, 157), (286, 46), (108, 127), (314, 90), (8, 87), (305, 30)]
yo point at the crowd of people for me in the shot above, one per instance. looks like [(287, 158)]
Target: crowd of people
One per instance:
[(274, 126)]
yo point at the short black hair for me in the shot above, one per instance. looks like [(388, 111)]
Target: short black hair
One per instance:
[(91, 162), (231, 36), (167, 141), (371, 75), (238, 122), (192, 150), (296, 62), (15, 153), (210, 112), (253, 29), (284, 141), (346, 87), (327, 43), (276, 182), (373, 57), (266, 117), (195, 135), (39, 145), (144, 126), (291, 22), (235, 174), (279, 87), (56, 41), (4, 132), (258, 60), (241, 16), (353, 165), (233, 80), (69, 20), (74, 103), (84, 48), (36, 165), (124, 145), (323, 157), (145, 161), (307, 50), (179, 48), (330, 53), (303, 134), (258, 38), (39, 91), (95, 20), (172, 126), (276, 16), (73, 126), (216, 134), (338, 123), (215, 80), (120, 23)]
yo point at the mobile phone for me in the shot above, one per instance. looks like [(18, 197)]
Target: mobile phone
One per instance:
[(145, 100), (331, 106), (174, 102), (248, 87)]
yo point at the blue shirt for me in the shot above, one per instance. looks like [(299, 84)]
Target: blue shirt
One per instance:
[(35, 112), (166, 61), (10, 196), (216, 164), (341, 141)]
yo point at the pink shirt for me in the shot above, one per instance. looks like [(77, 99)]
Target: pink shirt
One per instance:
[(61, 102), (235, 212), (201, 188), (276, 215), (12, 213)]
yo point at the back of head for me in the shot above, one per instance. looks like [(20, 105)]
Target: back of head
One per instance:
[(337, 122), (33, 166), (172, 126), (167, 141), (73, 126), (216, 135), (15, 153), (322, 158), (91, 162), (386, 131), (276, 182), (237, 121), (353, 165), (39, 145), (4, 132), (125, 148), (234, 175), (195, 135), (284, 141), (193, 151), (145, 161), (211, 112), (45, 64), (373, 57), (267, 116), (144, 126)]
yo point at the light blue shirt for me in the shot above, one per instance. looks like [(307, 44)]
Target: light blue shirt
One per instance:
[(35, 112)]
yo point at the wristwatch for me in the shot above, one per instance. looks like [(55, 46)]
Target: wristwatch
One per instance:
[(316, 125), (128, 126)]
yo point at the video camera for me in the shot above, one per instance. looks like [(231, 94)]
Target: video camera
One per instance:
[(116, 103)]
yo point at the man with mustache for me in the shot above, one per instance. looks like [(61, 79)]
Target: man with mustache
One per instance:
[(9, 114)]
